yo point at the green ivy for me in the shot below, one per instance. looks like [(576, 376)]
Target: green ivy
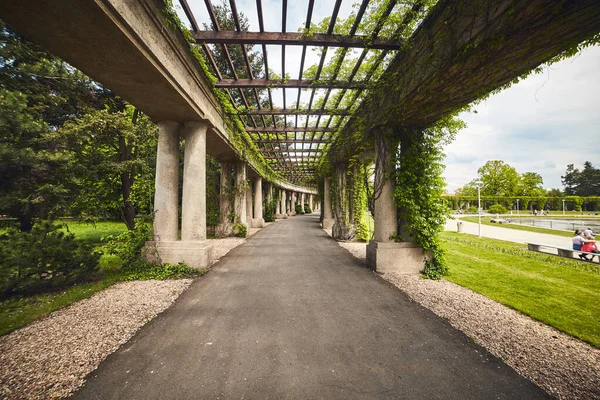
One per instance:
[(419, 186)]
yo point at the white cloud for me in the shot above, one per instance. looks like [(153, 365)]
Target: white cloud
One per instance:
[(541, 124)]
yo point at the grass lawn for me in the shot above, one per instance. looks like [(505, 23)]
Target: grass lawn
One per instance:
[(92, 233), (486, 221), (562, 293)]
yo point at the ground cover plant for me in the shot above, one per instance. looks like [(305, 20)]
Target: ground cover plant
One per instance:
[(487, 221), (559, 292)]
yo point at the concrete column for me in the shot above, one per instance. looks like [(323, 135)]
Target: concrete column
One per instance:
[(193, 202), (166, 192), (225, 207), (282, 201), (193, 249), (239, 200), (249, 205), (383, 253), (258, 220), (310, 202), (302, 201), (327, 212)]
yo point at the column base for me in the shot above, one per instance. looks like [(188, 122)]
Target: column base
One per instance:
[(195, 254), (281, 216), (398, 257), (328, 223), (257, 223)]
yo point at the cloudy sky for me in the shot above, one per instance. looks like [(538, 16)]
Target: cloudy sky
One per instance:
[(540, 125)]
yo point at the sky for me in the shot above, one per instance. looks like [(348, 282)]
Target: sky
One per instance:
[(539, 125)]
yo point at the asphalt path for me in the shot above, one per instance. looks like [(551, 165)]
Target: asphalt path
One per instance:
[(289, 314)]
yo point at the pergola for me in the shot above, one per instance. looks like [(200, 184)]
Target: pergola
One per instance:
[(293, 137)]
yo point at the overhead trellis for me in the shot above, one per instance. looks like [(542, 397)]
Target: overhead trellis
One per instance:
[(292, 136)]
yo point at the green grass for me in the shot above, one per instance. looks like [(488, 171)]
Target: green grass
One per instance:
[(561, 293), (92, 233), (486, 221)]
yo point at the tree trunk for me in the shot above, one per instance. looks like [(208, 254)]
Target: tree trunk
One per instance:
[(126, 183)]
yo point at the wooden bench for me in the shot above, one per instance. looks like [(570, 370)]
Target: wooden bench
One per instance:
[(562, 252)]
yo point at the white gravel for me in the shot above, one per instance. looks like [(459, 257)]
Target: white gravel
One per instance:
[(50, 358), (563, 366)]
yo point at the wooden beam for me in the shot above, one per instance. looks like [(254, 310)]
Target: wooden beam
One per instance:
[(291, 141), (294, 112), (295, 39), (288, 129), (290, 83)]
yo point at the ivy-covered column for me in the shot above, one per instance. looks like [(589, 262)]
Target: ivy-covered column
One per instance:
[(239, 193), (327, 212), (223, 229), (388, 252), (343, 228), (258, 221)]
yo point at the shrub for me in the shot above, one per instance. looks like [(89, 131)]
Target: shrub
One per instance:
[(43, 259), (269, 211), (498, 209), (472, 210), (143, 271), (299, 209), (239, 230), (307, 209), (128, 245)]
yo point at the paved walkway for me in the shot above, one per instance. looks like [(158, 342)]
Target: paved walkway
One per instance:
[(510, 235), (291, 315)]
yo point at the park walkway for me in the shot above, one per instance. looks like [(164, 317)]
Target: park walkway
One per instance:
[(509, 235), (289, 314)]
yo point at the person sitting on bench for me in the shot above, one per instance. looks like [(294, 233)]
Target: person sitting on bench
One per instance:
[(590, 247), (578, 242)]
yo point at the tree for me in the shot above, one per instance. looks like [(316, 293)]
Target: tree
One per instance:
[(530, 185), (38, 93), (498, 179), (570, 180), (112, 151), (582, 183)]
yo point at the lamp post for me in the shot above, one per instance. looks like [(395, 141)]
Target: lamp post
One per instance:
[(517, 206), (479, 208), (563, 200)]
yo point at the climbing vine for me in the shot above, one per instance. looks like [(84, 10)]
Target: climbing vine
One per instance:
[(419, 186)]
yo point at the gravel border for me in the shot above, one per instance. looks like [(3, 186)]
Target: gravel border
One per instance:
[(563, 366), (51, 357)]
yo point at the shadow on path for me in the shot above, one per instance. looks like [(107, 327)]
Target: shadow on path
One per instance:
[(289, 314)]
